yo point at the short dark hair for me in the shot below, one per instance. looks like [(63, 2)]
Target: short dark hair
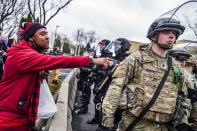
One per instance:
[(1, 29)]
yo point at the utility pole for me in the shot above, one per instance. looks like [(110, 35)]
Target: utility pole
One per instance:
[(55, 36), (77, 47)]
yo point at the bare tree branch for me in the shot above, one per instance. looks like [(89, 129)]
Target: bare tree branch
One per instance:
[(44, 10), (7, 9), (11, 12), (68, 2)]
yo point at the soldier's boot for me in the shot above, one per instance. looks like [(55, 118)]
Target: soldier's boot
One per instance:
[(95, 119), (82, 110), (85, 96)]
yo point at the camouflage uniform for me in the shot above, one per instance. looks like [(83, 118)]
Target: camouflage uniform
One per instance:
[(133, 85), (191, 82)]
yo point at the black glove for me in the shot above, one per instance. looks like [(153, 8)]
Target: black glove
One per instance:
[(185, 127), (102, 72), (103, 128)]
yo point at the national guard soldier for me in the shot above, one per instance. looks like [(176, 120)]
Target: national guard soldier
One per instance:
[(183, 57), (180, 55), (192, 92), (144, 86)]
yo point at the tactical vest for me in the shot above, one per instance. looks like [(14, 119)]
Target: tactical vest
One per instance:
[(148, 73)]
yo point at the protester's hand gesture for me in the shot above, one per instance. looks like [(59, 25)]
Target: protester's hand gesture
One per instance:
[(102, 61)]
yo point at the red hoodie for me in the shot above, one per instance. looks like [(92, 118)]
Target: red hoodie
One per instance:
[(19, 79)]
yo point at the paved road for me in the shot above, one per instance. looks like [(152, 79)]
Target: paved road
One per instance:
[(79, 122)]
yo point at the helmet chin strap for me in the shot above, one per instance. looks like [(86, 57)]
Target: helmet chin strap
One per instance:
[(162, 46)]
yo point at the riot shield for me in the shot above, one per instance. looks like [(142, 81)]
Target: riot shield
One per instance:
[(186, 13)]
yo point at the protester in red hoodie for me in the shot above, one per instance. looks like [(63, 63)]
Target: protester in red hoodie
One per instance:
[(20, 85)]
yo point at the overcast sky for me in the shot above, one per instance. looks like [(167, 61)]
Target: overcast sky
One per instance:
[(112, 19)]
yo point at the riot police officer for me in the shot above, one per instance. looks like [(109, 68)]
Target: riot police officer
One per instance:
[(85, 81), (84, 84), (117, 50), (101, 46), (183, 57)]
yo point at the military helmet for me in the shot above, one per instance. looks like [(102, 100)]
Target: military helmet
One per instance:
[(165, 24), (179, 52)]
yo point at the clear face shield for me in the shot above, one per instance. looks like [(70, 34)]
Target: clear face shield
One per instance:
[(99, 48), (187, 15), (114, 47)]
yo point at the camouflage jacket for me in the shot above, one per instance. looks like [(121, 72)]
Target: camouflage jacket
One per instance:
[(134, 83), (191, 82)]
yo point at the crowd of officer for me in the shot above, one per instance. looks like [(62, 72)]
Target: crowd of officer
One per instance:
[(100, 79)]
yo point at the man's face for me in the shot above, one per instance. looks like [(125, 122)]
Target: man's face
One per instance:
[(167, 37), (41, 38), (101, 45), (181, 60)]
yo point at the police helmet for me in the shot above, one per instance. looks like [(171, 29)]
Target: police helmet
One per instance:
[(105, 42), (121, 45), (101, 46), (125, 43), (165, 24)]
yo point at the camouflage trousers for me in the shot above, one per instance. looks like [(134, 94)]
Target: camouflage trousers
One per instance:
[(142, 125), (193, 115)]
